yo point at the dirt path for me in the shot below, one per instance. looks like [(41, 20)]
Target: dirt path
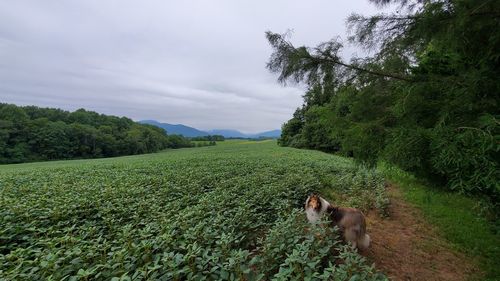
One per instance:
[(405, 247)]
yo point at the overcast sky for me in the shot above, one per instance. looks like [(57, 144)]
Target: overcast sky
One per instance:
[(199, 63)]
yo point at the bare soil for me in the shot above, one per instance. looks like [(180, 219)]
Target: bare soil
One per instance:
[(405, 247)]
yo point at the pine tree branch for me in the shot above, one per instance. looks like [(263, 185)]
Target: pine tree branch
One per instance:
[(329, 59)]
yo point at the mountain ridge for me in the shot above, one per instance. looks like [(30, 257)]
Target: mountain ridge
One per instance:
[(187, 131)]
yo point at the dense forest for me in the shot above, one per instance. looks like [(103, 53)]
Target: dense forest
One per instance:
[(426, 99), (31, 133)]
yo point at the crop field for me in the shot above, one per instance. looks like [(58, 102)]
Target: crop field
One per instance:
[(228, 212)]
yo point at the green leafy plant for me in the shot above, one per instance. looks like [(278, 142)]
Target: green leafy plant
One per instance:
[(226, 212)]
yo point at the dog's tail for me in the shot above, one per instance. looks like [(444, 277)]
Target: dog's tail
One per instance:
[(364, 242)]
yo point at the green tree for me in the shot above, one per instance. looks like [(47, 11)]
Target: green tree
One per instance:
[(427, 100), (32, 133)]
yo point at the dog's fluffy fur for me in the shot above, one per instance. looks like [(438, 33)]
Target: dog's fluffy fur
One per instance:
[(350, 221)]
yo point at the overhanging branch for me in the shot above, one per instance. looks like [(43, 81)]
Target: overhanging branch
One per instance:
[(329, 59)]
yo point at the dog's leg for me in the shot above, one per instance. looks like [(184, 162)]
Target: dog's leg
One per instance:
[(351, 236), (364, 242)]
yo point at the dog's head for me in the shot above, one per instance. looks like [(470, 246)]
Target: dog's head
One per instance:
[(313, 202)]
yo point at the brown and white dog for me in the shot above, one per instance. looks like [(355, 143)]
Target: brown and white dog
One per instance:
[(350, 221)]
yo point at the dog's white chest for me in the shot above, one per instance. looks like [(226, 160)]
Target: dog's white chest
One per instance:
[(312, 215)]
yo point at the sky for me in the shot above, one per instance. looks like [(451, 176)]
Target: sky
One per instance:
[(198, 63)]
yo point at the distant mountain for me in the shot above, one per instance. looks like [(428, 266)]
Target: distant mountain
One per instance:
[(187, 131), (178, 129), (269, 134), (238, 134), (228, 133)]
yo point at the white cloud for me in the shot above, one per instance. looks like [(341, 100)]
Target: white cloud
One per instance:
[(200, 63)]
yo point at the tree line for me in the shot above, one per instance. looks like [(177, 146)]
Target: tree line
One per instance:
[(427, 100), (30, 133), (210, 138)]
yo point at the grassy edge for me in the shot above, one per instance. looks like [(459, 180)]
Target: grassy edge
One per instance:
[(455, 216)]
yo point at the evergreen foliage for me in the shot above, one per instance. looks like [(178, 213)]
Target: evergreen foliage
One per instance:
[(427, 100), (32, 133)]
